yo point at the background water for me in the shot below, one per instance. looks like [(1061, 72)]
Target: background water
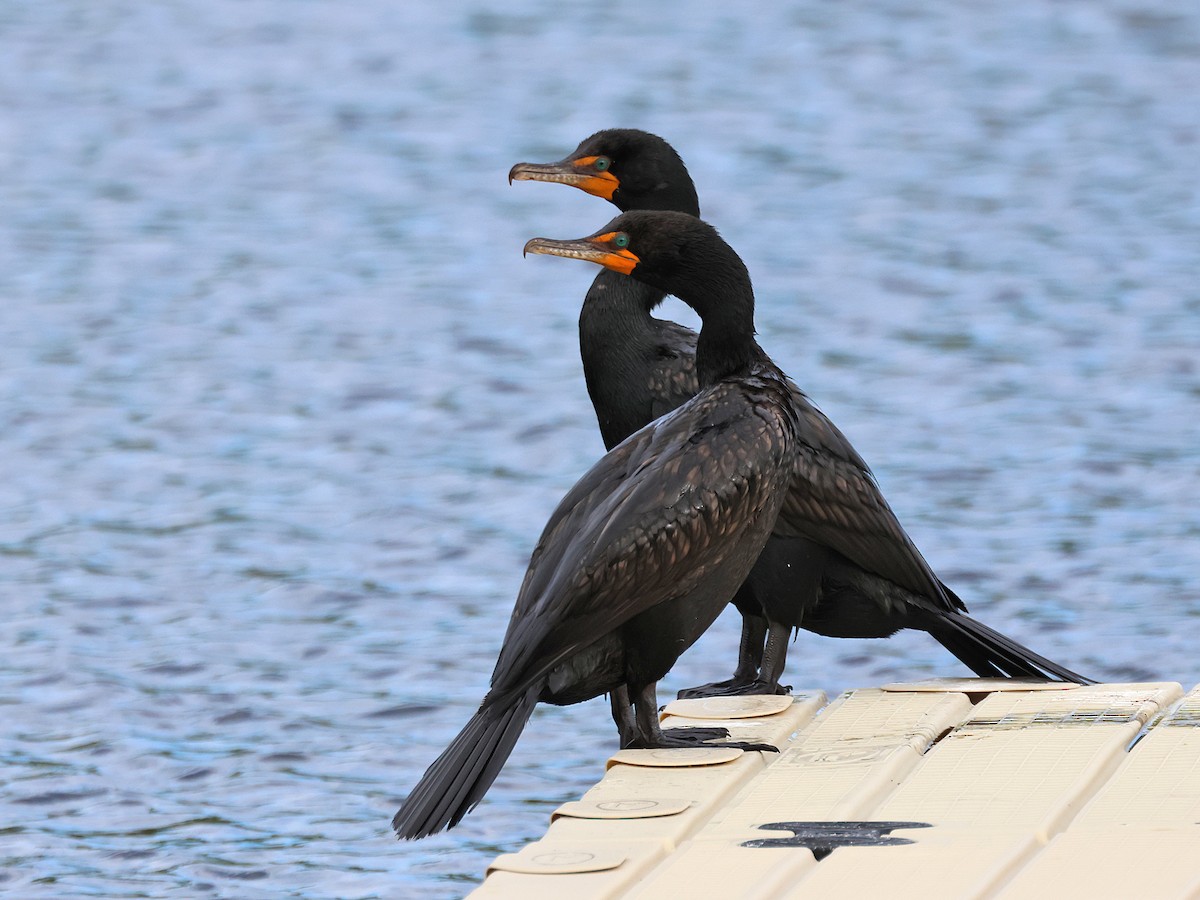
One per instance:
[(284, 409)]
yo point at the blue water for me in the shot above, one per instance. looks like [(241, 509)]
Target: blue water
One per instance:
[(284, 409)]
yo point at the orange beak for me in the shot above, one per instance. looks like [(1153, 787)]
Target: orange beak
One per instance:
[(596, 249), (575, 172)]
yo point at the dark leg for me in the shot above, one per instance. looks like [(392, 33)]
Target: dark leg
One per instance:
[(750, 649), (651, 736), (622, 713), (750, 652), (774, 659)]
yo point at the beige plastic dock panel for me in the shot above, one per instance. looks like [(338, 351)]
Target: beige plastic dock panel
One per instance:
[(938, 865), (977, 686), (695, 791), (1027, 760), (1123, 864), (1158, 784), (1140, 835), (837, 768), (852, 807), (768, 720), (639, 775), (755, 706), (994, 791), (553, 870), (637, 843), (722, 869), (842, 765), (647, 803), (1113, 865)]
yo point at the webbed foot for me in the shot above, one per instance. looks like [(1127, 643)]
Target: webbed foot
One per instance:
[(733, 687), (693, 737), (703, 738), (650, 735)]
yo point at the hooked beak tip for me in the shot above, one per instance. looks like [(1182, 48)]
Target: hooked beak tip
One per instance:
[(515, 171)]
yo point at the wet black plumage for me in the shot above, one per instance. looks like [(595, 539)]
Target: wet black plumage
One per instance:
[(644, 551), (638, 366)]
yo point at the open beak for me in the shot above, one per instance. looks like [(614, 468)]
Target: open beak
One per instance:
[(594, 249), (575, 172)]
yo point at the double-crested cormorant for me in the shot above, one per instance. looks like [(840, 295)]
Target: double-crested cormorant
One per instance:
[(638, 367), (645, 550)]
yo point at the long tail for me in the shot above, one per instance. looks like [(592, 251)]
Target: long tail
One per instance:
[(458, 779), (988, 653)]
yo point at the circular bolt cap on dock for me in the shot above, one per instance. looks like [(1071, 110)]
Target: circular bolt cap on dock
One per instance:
[(672, 757)]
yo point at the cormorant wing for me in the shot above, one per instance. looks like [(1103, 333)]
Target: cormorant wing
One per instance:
[(647, 523), (835, 501)]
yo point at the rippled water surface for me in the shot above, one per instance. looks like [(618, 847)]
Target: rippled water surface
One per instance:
[(284, 409)]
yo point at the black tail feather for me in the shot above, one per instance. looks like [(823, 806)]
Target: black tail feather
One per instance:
[(990, 654), (457, 780)]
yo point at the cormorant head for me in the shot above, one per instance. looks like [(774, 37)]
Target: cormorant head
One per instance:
[(630, 168), (674, 252)]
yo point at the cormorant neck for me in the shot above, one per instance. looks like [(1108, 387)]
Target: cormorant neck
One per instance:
[(726, 345), (724, 299), (724, 349), (612, 292)]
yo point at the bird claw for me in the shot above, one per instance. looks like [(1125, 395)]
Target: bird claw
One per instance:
[(702, 738), (692, 737), (734, 687)]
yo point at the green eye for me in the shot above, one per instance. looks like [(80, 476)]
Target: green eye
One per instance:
[(621, 241), (602, 163)]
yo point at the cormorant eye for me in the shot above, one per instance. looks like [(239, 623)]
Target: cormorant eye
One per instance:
[(621, 241), (602, 163)]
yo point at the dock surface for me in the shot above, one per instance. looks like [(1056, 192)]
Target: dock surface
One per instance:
[(957, 788)]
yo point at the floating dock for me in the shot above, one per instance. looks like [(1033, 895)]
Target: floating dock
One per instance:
[(957, 788)]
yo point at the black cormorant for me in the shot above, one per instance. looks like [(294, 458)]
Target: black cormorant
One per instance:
[(645, 550), (638, 367)]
